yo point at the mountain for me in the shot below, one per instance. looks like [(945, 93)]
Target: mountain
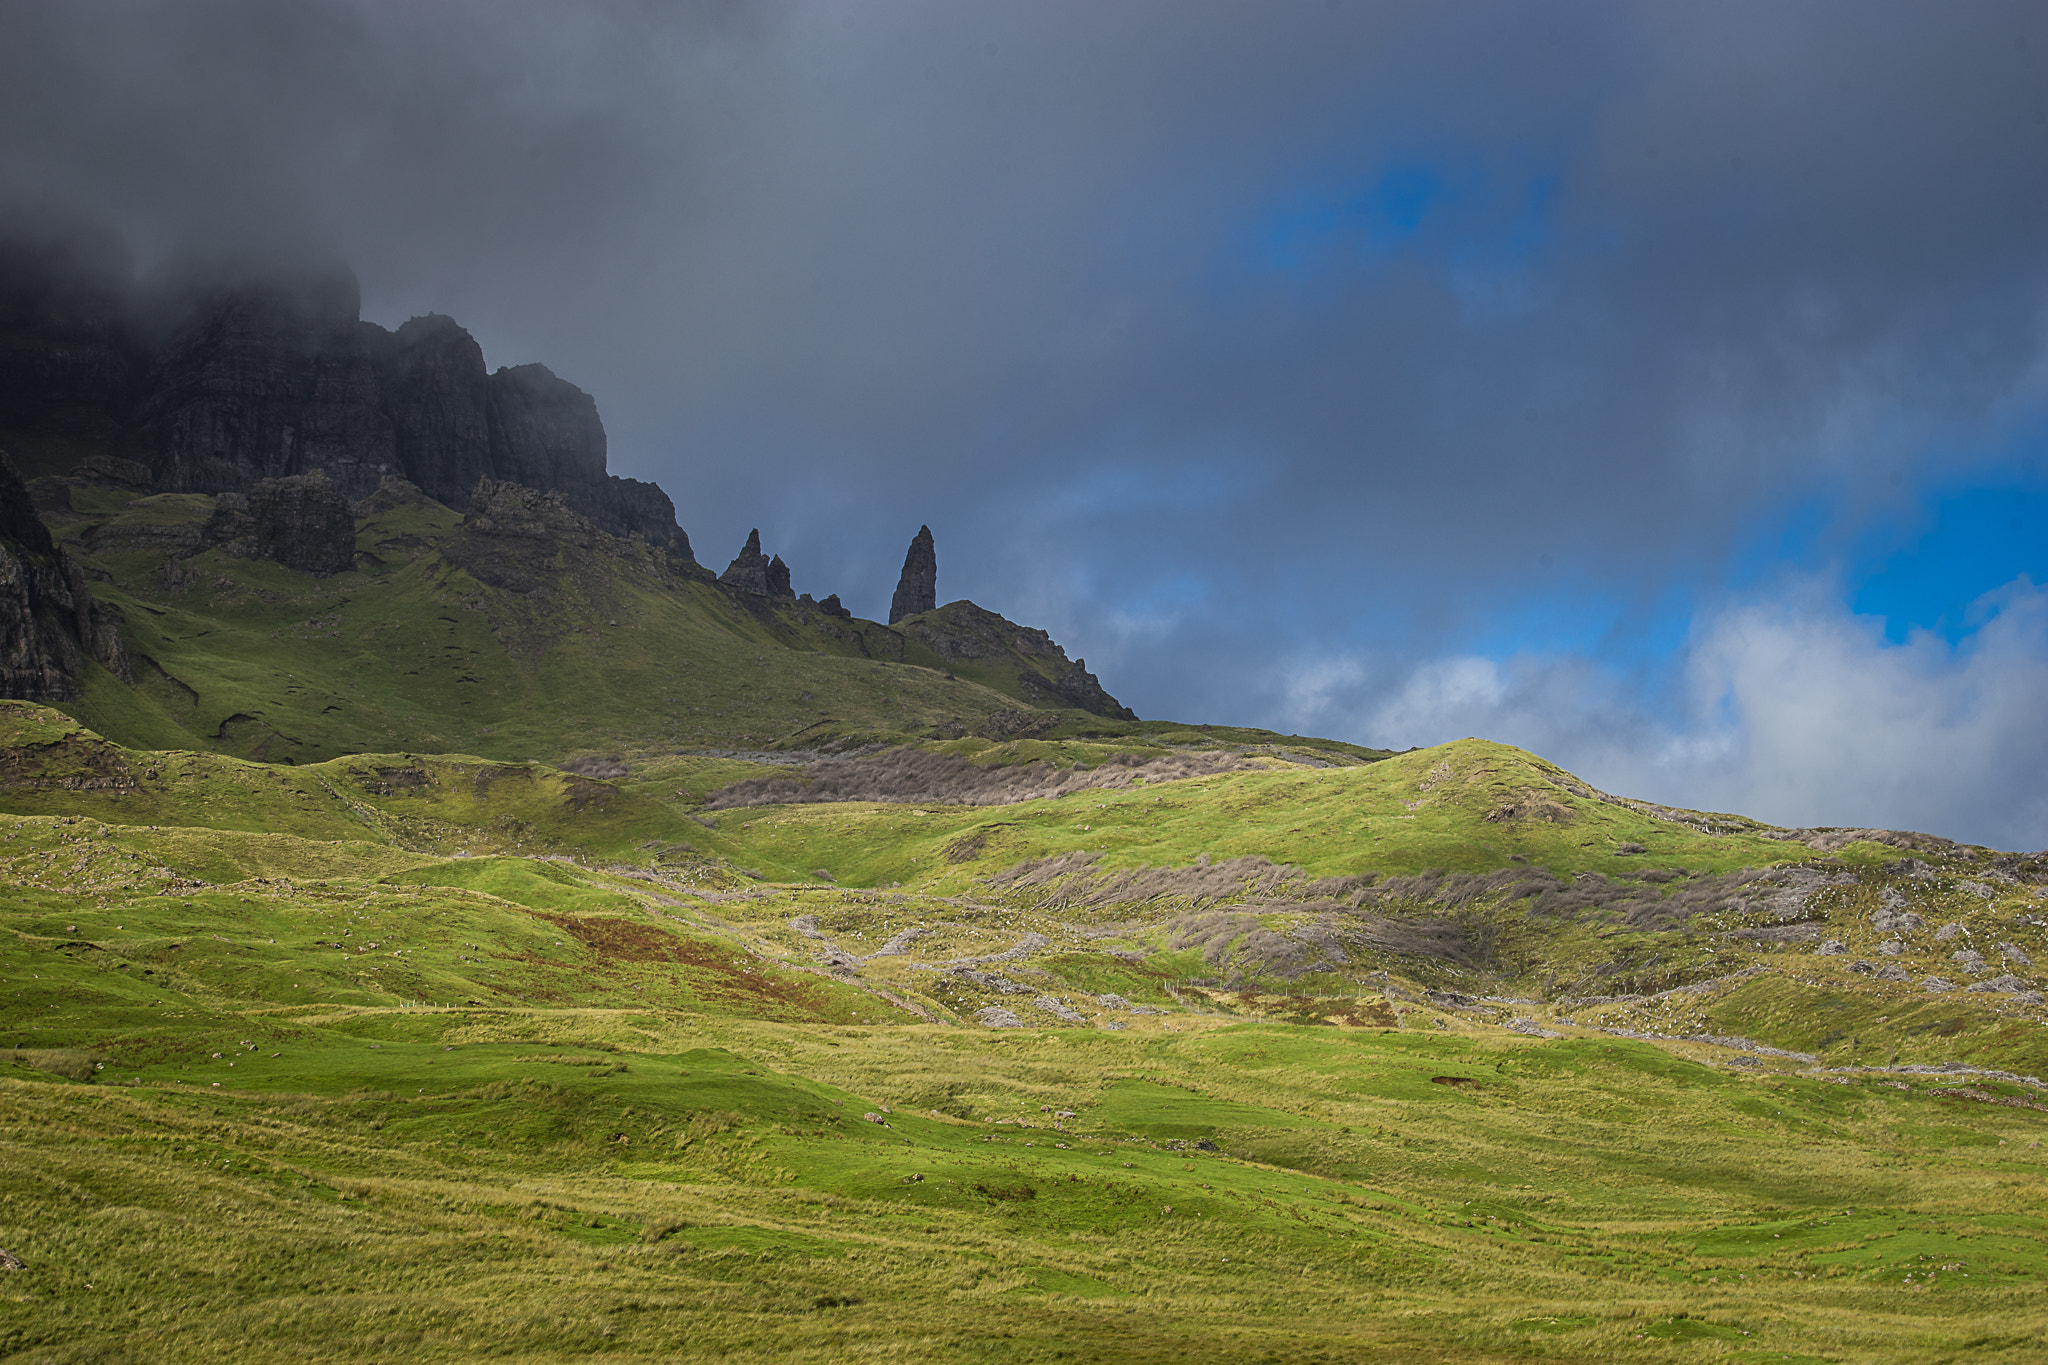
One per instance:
[(186, 435), (215, 385)]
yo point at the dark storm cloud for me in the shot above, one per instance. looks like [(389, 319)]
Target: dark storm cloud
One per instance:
[(1209, 336)]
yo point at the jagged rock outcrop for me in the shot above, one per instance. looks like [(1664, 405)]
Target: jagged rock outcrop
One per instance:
[(50, 623), (512, 536), (832, 606), (749, 568), (964, 634), (304, 523), (227, 384), (917, 590), (753, 571)]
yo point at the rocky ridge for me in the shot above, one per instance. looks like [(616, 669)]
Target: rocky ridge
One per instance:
[(975, 639)]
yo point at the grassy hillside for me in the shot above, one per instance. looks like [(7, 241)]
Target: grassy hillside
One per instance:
[(448, 639), (1444, 1057)]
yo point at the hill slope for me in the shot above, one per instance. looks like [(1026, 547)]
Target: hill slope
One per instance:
[(1165, 1065), (516, 630)]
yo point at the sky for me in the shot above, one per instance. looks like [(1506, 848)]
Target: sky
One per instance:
[(1660, 387)]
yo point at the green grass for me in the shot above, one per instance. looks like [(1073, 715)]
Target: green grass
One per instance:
[(433, 1056)]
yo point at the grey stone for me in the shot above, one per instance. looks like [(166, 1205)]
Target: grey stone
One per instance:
[(1937, 983), (1831, 948), (1059, 1009), (1891, 916), (1948, 933), (1891, 947), (2007, 984), (995, 1016), (2014, 953), (993, 981)]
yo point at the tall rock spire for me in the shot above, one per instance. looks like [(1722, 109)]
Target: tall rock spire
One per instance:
[(749, 570), (757, 572), (918, 589)]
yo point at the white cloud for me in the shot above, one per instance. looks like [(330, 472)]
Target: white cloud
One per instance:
[(1786, 707)]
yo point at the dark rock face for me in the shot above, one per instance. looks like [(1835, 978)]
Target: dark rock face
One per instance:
[(918, 589), (49, 622), (749, 568), (544, 431), (265, 381), (304, 523), (238, 382), (961, 632), (778, 579), (440, 400), (832, 606)]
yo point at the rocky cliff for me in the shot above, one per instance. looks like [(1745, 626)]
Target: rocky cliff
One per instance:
[(217, 387), (49, 622), (1021, 660)]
